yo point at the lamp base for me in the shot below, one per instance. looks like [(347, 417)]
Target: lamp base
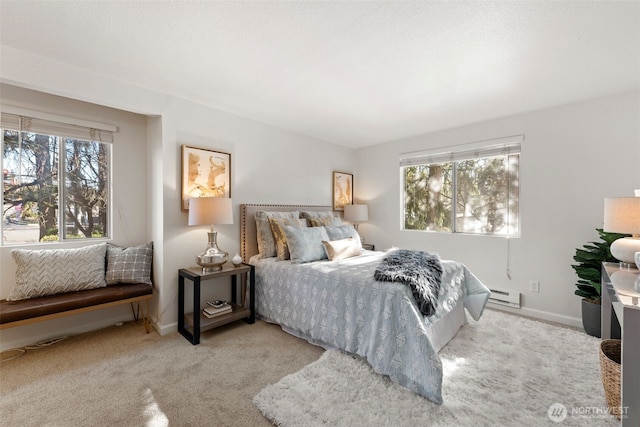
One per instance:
[(213, 257), (625, 248), (355, 225)]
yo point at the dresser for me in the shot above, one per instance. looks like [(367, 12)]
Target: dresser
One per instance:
[(620, 306)]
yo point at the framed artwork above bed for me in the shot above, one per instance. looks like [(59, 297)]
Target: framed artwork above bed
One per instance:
[(342, 190), (205, 173)]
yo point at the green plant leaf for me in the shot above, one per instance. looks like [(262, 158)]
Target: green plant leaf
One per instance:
[(598, 288), (587, 273), (582, 256), (589, 268)]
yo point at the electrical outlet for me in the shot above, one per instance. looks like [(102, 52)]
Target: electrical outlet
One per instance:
[(534, 286)]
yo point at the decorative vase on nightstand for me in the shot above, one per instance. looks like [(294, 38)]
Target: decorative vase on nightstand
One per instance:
[(236, 260)]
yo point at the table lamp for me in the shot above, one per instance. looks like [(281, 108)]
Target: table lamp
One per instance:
[(356, 214), (622, 215), (211, 211)]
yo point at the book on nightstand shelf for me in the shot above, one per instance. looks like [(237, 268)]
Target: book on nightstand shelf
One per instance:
[(216, 311)]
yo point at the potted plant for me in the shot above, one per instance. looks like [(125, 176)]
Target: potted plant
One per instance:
[(589, 270)]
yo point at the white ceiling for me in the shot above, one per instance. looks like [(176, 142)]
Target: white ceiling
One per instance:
[(352, 73)]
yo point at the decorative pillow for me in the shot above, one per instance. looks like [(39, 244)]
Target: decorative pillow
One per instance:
[(266, 242), (319, 219), (322, 222), (316, 214), (342, 232), (43, 272), (305, 244), (341, 249), (129, 265), (280, 238)]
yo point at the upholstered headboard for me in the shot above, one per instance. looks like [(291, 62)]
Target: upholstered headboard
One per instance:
[(248, 233)]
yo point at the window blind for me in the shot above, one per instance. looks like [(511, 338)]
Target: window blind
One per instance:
[(57, 128), (488, 148)]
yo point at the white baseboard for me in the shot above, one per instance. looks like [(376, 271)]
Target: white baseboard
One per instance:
[(574, 322), (167, 329)]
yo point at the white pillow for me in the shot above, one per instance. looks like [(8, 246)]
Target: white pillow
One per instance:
[(343, 232), (341, 249), (53, 271)]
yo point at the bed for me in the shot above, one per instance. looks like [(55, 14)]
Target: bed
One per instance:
[(339, 305)]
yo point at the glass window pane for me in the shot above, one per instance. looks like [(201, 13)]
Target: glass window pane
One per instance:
[(513, 171), (483, 200), (30, 192), (85, 189), (428, 197)]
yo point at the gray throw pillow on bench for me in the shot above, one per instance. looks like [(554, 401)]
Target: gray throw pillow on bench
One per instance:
[(129, 265)]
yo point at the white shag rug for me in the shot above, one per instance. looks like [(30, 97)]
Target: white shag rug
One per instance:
[(504, 370)]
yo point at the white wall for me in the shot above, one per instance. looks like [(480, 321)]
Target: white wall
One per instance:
[(268, 165), (572, 158)]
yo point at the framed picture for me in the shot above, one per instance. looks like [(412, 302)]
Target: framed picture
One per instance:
[(205, 173), (342, 190)]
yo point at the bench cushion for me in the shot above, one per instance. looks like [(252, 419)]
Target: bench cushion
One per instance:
[(12, 311)]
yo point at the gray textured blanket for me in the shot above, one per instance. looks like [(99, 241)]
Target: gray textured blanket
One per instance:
[(421, 271)]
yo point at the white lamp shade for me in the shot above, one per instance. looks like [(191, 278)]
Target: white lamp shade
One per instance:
[(356, 213), (210, 211), (622, 215)]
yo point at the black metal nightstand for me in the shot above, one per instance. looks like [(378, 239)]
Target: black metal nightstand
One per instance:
[(190, 325)]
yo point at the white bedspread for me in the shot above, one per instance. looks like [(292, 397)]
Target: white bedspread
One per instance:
[(340, 305)]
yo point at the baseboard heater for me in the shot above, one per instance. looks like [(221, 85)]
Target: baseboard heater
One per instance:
[(504, 297)]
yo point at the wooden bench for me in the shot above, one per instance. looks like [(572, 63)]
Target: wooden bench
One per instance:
[(28, 311)]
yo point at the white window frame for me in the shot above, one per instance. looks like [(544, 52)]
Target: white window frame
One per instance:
[(24, 120)]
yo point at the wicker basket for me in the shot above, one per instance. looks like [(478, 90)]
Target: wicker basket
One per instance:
[(610, 351)]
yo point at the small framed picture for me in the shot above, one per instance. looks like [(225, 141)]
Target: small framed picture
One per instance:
[(342, 190), (205, 173)]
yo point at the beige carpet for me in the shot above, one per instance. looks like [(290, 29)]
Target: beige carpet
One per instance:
[(121, 376)]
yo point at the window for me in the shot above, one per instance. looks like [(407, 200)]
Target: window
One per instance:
[(55, 183), (474, 189)]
